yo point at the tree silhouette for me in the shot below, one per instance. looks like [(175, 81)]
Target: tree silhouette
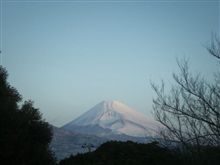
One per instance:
[(119, 153), (88, 146), (24, 135), (191, 110)]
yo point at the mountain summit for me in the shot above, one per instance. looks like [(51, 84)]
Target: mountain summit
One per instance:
[(113, 118)]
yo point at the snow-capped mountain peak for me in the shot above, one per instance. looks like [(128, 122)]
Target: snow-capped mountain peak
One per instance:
[(114, 117)]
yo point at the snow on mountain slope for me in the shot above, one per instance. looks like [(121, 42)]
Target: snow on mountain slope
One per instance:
[(115, 118)]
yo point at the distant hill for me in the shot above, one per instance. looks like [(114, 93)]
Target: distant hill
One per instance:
[(128, 153), (65, 143), (131, 153)]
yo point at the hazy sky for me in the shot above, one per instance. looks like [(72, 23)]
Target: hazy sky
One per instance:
[(68, 56)]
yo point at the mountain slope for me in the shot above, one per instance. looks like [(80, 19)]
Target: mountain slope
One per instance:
[(66, 143), (113, 117)]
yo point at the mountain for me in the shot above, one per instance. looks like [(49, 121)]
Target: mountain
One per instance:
[(110, 118), (107, 121)]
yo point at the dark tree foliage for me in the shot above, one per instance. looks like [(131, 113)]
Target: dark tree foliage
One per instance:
[(129, 153), (24, 136)]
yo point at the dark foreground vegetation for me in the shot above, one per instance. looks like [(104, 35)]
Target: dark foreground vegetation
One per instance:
[(24, 135), (130, 153)]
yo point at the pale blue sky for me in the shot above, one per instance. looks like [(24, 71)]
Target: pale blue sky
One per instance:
[(69, 56)]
